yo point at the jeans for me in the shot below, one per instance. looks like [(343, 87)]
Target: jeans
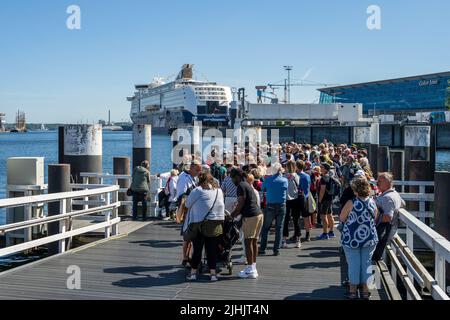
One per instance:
[(212, 251), (277, 212), (359, 264), (139, 197), (292, 210)]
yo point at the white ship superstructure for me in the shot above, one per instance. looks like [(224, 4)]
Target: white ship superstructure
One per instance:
[(178, 103)]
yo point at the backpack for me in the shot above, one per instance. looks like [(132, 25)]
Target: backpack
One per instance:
[(335, 187)]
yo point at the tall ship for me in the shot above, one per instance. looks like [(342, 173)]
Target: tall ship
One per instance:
[(167, 106)]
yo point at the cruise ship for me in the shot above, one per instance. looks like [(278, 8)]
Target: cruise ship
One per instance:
[(179, 103)]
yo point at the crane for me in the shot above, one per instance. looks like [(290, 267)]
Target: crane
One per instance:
[(302, 83)]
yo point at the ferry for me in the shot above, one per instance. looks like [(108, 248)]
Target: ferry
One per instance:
[(167, 106)]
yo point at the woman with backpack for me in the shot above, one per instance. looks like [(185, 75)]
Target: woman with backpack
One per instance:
[(359, 237), (292, 207)]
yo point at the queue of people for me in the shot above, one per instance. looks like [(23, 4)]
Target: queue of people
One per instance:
[(309, 187)]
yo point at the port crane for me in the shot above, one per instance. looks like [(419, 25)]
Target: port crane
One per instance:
[(261, 90)]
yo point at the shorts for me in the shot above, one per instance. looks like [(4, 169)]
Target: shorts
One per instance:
[(325, 207), (251, 227)]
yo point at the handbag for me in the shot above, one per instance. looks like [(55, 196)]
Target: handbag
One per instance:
[(312, 205), (129, 192), (194, 228)]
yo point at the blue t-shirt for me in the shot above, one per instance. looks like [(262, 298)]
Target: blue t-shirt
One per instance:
[(305, 183), (276, 187)]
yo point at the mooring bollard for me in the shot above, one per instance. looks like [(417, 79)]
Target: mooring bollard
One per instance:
[(83, 149), (25, 177), (58, 181), (122, 167), (142, 144)]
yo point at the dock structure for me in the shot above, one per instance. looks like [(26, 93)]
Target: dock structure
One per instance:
[(146, 265)]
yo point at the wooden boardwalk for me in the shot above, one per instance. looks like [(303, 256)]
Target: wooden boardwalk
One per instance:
[(145, 265)]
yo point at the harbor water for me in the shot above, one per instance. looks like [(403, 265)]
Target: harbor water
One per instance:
[(45, 144)]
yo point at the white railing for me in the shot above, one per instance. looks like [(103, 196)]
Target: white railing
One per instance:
[(156, 184), (422, 197), (415, 274), (106, 206)]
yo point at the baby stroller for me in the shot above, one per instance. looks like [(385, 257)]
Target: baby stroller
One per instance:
[(229, 238)]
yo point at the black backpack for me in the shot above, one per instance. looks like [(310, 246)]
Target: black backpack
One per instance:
[(335, 187)]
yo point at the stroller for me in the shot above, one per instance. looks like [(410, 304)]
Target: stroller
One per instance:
[(229, 238)]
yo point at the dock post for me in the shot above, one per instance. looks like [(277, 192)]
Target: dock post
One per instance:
[(142, 144), (197, 134), (397, 167), (374, 145), (442, 214), (417, 141), (383, 160), (83, 149), (61, 145), (58, 181), (122, 167)]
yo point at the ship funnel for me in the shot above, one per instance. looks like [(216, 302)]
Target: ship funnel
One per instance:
[(186, 72)]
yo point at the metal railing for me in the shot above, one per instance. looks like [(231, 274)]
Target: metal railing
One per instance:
[(409, 269), (107, 206)]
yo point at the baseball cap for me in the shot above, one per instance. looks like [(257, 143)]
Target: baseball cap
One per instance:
[(326, 166)]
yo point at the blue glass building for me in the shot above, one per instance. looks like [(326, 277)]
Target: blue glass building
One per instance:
[(397, 96)]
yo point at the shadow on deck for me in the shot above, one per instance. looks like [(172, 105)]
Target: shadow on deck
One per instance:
[(146, 265)]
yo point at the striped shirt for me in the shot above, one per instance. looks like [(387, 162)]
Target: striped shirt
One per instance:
[(229, 188)]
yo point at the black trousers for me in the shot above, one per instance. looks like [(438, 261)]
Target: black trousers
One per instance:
[(292, 210), (212, 251), (386, 232)]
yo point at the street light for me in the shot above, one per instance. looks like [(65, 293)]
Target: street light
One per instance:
[(289, 69)]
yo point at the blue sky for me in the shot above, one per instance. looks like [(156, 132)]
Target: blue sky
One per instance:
[(60, 75)]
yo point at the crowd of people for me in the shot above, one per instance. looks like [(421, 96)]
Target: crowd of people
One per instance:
[(308, 186)]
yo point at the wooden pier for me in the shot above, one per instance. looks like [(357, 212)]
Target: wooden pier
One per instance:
[(146, 265)]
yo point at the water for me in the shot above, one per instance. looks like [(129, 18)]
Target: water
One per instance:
[(45, 144)]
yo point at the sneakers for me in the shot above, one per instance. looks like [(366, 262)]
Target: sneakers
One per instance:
[(191, 277), (308, 237), (331, 235), (214, 279), (323, 236), (284, 245), (248, 273), (242, 260), (298, 245)]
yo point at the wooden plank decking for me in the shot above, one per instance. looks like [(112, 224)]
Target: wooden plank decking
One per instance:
[(145, 265)]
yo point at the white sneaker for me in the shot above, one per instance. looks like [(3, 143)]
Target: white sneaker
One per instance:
[(298, 245), (244, 274), (253, 274), (242, 260), (284, 245)]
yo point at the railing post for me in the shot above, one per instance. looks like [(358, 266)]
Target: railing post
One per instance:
[(393, 268), (440, 271), (85, 182), (410, 244), (115, 213), (70, 222), (422, 207), (62, 225), (108, 216)]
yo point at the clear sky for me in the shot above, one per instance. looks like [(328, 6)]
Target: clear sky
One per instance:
[(59, 75)]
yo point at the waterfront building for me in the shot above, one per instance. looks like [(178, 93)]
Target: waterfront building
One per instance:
[(425, 93)]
